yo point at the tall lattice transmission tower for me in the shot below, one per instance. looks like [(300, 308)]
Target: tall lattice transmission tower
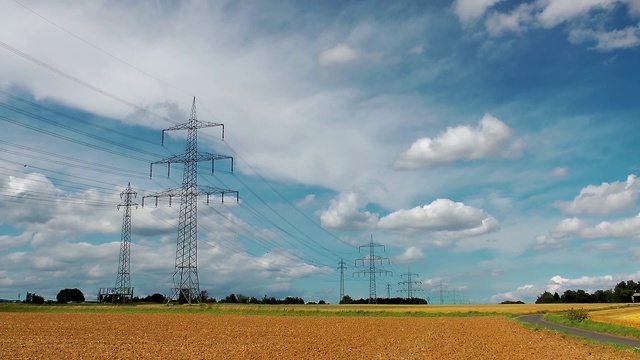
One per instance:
[(409, 284), (123, 291), (185, 276), (372, 259), (341, 267)]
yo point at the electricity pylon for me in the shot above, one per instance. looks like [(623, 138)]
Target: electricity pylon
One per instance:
[(123, 280), (185, 275), (341, 266), (372, 259), (388, 291), (409, 283)]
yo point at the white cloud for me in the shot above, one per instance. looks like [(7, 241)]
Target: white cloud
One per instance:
[(492, 139), (306, 201), (410, 255), (560, 172), (587, 283), (522, 293), (445, 220), (555, 12), (625, 228), (339, 55), (578, 229), (606, 198), (552, 13), (568, 227), (559, 284), (440, 215), (516, 21), (469, 10), (608, 40), (345, 213)]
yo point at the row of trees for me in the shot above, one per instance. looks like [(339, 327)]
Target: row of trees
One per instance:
[(398, 300), (621, 293)]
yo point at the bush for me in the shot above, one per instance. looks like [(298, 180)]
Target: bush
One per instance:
[(578, 315)]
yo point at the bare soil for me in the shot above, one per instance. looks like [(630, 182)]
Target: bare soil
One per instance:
[(209, 336)]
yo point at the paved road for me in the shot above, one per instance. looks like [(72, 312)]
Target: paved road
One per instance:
[(536, 319)]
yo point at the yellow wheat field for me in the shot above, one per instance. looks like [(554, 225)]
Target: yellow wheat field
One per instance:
[(627, 316)]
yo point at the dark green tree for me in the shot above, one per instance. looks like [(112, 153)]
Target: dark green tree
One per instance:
[(70, 295), (346, 300), (545, 298)]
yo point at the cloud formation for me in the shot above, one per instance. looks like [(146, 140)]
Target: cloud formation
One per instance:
[(491, 139), (445, 219), (606, 198), (339, 55), (547, 14), (469, 10)]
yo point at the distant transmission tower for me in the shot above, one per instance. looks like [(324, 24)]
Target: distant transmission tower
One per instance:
[(185, 275), (388, 291), (372, 259), (342, 267), (409, 283), (123, 290)]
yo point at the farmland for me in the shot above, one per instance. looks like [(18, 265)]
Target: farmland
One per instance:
[(255, 332), (628, 316)]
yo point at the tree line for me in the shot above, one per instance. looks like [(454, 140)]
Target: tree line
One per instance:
[(397, 300), (621, 293)]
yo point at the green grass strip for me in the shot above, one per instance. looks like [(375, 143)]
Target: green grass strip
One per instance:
[(624, 331), (300, 310)]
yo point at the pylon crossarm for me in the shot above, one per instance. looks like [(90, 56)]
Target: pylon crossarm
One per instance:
[(183, 158), (166, 193), (192, 125), (208, 191)]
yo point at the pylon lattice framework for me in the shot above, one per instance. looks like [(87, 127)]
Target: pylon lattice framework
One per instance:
[(409, 283), (341, 267), (185, 275), (123, 280), (372, 259), (123, 290)]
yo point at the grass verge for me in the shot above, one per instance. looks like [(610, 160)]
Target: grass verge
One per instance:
[(300, 310), (624, 331)]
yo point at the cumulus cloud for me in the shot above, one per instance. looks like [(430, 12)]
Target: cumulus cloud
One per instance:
[(522, 293), (410, 255), (338, 55), (440, 215), (559, 284), (606, 198), (444, 219), (491, 139), (469, 10), (575, 228), (345, 213), (587, 283)]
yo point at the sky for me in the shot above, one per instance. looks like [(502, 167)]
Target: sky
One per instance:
[(487, 147)]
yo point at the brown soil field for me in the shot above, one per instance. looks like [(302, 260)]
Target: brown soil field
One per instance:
[(222, 336)]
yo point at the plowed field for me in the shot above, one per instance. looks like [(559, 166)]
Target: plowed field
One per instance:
[(220, 336)]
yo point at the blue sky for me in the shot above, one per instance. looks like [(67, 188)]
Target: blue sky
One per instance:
[(490, 146)]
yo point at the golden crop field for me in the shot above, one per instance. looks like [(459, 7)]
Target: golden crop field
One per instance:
[(289, 333), (627, 316)]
